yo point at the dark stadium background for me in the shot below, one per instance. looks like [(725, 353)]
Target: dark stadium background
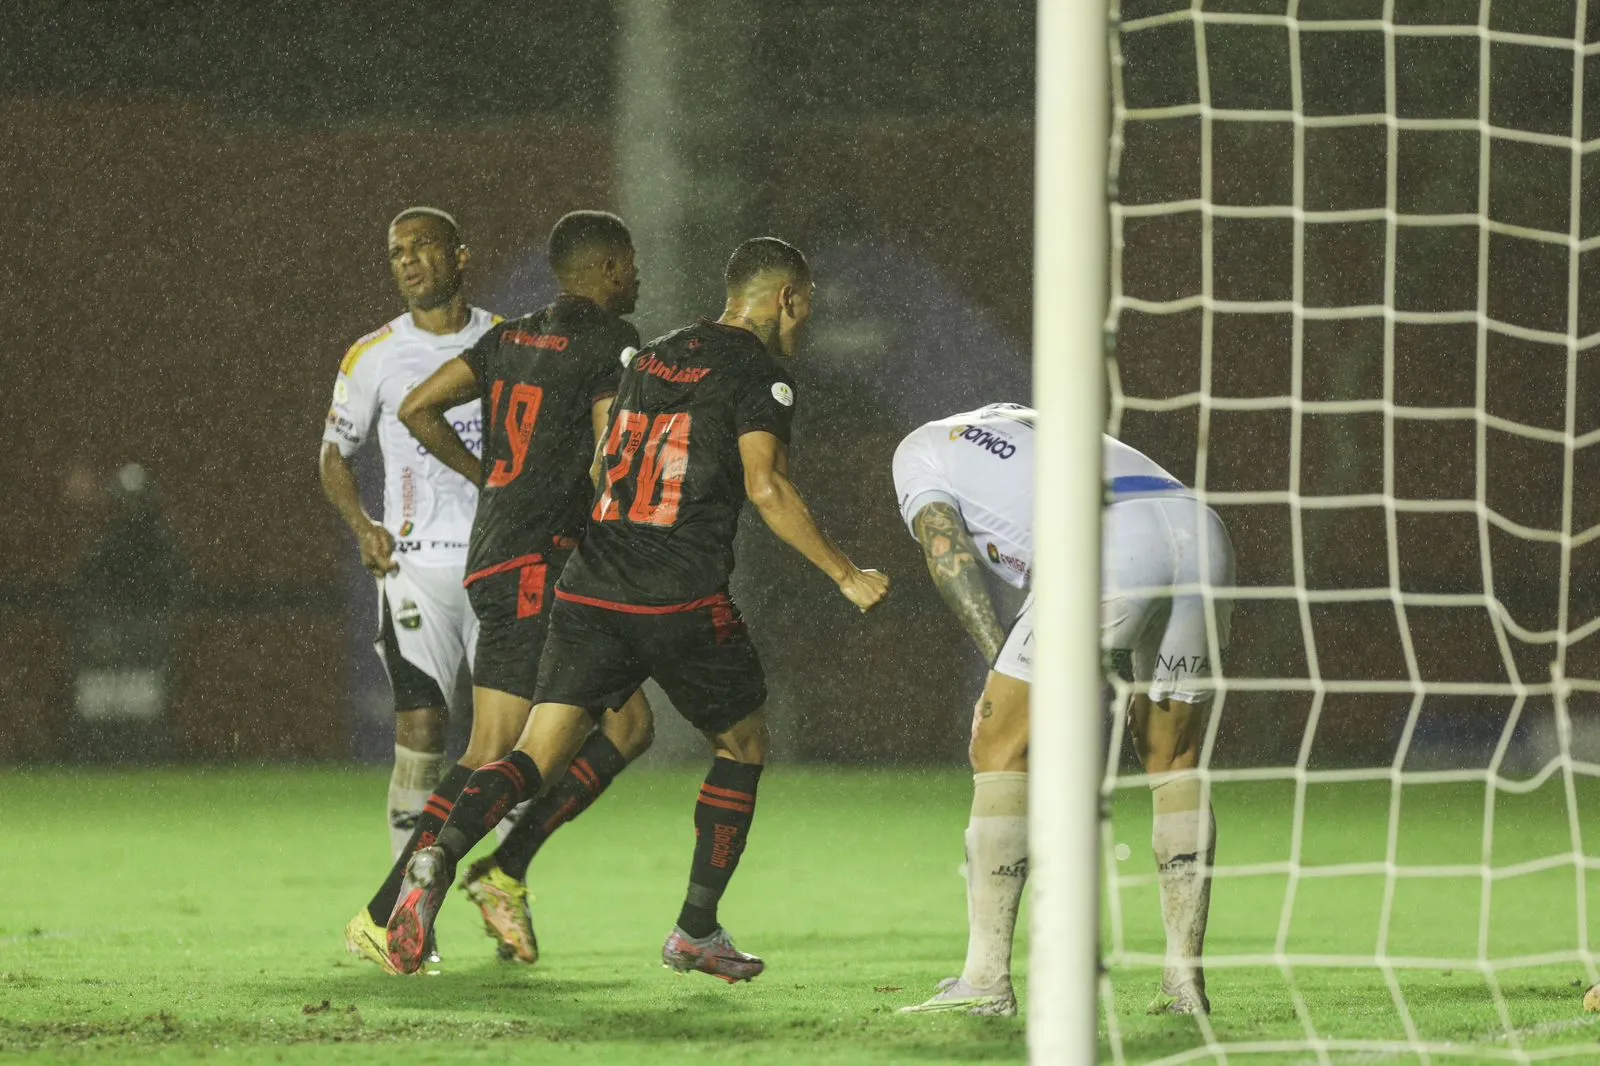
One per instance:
[(194, 200)]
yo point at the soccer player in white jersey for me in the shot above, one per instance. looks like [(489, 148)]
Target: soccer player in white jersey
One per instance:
[(965, 485), (418, 550)]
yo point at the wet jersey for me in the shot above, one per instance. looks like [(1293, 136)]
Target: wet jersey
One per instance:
[(426, 505), (981, 463), (661, 530), (539, 376)]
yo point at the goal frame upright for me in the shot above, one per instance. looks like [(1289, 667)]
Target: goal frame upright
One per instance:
[(1070, 296)]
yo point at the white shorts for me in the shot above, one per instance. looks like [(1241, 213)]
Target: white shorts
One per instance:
[(1150, 636), (1016, 654), (433, 627)]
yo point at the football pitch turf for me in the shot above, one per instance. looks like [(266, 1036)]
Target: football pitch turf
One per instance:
[(171, 916)]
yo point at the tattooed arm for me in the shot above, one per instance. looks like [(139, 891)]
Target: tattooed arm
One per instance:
[(953, 563)]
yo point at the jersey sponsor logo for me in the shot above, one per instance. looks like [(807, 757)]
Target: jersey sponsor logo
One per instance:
[(783, 393), (470, 430), (408, 615), (341, 390), (406, 527), (1010, 562), (1181, 665), (342, 427), (987, 439), (553, 342), (405, 546), (672, 375)]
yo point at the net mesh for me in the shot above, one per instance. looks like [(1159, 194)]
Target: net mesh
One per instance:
[(1356, 300)]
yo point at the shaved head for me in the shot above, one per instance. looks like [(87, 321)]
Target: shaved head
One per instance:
[(766, 260)]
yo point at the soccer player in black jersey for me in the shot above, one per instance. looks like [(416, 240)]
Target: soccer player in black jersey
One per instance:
[(546, 381), (700, 424)]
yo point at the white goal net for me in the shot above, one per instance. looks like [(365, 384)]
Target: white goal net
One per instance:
[(1355, 301)]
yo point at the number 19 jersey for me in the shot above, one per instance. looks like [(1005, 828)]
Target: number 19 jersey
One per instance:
[(661, 531), (539, 376)]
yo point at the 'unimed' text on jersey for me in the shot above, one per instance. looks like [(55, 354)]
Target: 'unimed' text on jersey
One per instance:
[(981, 463), (426, 505), (539, 376), (661, 530)]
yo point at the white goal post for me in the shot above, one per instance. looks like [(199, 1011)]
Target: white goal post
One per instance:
[(1066, 750)]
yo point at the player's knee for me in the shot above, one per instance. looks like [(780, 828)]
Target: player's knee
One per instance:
[(1171, 739), (747, 741), (422, 729), (999, 742), (631, 727), (494, 734)]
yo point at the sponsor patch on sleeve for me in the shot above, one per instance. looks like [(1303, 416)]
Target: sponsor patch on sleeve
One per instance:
[(783, 393), (628, 353), (341, 390)]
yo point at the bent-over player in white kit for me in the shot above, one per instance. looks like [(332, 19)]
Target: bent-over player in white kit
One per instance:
[(418, 551), (965, 485)]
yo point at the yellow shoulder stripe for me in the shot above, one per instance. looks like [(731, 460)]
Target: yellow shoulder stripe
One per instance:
[(495, 320), (347, 365)]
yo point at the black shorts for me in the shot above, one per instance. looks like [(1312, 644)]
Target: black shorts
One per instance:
[(413, 688), (513, 602), (700, 654)]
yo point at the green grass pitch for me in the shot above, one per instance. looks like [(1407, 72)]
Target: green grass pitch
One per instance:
[(183, 915)]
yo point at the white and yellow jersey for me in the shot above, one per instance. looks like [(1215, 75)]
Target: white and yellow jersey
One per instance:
[(426, 506), (981, 463)]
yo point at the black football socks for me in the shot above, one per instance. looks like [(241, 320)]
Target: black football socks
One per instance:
[(485, 799), (595, 766), (722, 820), (434, 814)]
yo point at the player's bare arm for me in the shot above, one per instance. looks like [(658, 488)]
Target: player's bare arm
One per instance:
[(339, 486), (600, 417), (423, 413), (953, 564), (767, 485)]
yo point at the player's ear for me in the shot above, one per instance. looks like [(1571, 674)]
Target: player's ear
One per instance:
[(463, 257), (786, 299)]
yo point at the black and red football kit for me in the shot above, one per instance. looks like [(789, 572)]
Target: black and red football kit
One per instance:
[(539, 377), (646, 592)]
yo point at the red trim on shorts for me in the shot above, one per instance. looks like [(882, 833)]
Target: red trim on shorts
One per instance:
[(500, 568), (638, 608)]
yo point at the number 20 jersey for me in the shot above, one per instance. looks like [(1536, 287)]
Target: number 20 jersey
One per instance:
[(661, 531), (539, 376)]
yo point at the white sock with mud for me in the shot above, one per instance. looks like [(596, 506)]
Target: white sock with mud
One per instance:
[(997, 868), (1184, 839), (416, 774)]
